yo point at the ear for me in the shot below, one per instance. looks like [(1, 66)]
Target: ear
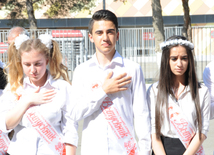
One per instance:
[(117, 35), (91, 37)]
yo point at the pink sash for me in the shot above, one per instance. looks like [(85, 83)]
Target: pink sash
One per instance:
[(119, 127), (4, 143), (46, 131), (183, 128)]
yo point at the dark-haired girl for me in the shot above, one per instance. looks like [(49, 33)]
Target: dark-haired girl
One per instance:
[(179, 104)]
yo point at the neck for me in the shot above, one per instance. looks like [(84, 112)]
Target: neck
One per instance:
[(179, 81), (42, 81), (104, 59)]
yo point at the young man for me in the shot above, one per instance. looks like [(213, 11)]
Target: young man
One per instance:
[(111, 96)]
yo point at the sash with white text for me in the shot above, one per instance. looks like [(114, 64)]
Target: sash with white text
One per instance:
[(183, 128), (119, 127), (46, 131), (4, 143)]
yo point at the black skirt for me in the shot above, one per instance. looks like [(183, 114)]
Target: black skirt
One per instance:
[(172, 146)]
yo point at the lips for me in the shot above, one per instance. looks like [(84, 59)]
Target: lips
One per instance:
[(106, 44)]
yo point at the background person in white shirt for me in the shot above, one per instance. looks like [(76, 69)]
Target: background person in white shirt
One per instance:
[(178, 85), (208, 78), (31, 85), (111, 96)]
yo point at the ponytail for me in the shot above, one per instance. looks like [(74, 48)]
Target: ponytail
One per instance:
[(57, 69), (15, 71)]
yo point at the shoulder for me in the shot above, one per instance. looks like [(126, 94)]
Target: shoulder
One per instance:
[(209, 67), (153, 88), (84, 65), (60, 84), (130, 63), (203, 89)]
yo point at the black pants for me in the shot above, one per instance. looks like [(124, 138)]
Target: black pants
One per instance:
[(172, 146)]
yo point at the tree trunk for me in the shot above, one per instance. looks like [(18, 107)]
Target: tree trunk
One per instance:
[(31, 17), (187, 29), (157, 24)]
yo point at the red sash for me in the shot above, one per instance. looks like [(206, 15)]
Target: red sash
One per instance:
[(4, 143), (183, 128), (119, 127), (46, 131)]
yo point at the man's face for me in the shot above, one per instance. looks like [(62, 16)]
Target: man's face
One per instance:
[(104, 36)]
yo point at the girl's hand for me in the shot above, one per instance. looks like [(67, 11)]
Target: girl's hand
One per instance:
[(38, 98)]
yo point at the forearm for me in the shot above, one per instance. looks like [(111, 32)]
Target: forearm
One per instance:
[(70, 149), (87, 104), (195, 144), (157, 145), (14, 116)]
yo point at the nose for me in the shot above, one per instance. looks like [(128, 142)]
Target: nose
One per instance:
[(105, 36), (179, 63), (33, 69)]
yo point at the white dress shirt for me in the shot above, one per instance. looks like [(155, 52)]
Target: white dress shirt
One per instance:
[(26, 140), (97, 136), (187, 106), (208, 77)]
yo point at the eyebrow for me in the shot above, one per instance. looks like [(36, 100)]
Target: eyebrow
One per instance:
[(177, 56), (34, 62), (107, 30)]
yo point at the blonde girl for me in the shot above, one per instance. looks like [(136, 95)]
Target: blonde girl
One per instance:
[(36, 102)]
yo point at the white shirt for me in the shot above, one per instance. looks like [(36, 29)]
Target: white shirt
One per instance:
[(97, 136), (208, 77), (26, 140), (187, 107)]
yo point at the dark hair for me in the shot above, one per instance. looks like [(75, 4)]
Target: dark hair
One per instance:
[(103, 15), (166, 83), (3, 79)]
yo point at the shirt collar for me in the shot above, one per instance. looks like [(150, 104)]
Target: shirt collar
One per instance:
[(117, 58), (49, 81)]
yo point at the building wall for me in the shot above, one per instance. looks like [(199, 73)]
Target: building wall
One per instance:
[(139, 8)]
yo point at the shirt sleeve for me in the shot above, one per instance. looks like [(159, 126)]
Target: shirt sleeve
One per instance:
[(141, 112), (68, 125), (208, 79), (86, 101), (151, 97), (205, 112), (6, 103)]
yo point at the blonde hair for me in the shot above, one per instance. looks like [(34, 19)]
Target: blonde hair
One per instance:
[(15, 72)]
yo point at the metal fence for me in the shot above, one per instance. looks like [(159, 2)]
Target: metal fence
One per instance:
[(137, 44)]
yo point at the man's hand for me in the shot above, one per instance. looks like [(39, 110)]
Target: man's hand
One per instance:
[(113, 85)]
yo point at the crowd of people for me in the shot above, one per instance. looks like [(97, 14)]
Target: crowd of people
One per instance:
[(40, 108)]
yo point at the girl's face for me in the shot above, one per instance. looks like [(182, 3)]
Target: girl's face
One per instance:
[(178, 60), (34, 66)]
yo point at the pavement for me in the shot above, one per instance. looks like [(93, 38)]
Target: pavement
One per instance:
[(208, 143)]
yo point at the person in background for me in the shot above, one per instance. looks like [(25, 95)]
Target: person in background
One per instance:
[(110, 96), (15, 32), (208, 78), (12, 34), (37, 102), (179, 104), (3, 78)]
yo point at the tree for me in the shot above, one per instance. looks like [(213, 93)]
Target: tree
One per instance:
[(157, 22), (22, 9), (187, 29)]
